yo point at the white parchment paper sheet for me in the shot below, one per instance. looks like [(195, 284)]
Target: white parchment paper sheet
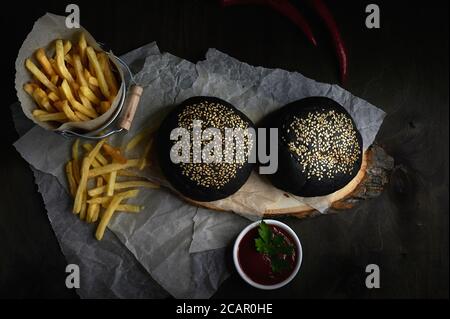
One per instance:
[(161, 235), (108, 269), (168, 238)]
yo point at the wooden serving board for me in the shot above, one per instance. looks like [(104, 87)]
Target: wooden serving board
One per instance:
[(379, 166), (368, 183)]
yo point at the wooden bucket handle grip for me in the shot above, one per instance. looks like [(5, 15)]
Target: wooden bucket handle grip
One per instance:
[(130, 107)]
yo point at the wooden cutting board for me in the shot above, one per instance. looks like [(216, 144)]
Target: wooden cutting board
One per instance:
[(368, 183)]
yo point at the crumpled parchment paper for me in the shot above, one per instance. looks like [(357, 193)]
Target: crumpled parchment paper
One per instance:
[(161, 235), (179, 245), (108, 269)]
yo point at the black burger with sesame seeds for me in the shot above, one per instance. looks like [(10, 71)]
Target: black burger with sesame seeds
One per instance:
[(319, 147), (203, 146)]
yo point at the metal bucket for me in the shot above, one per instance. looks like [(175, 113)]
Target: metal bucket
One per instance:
[(127, 106)]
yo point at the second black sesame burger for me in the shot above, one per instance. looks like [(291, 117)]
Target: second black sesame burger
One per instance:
[(319, 147), (191, 175)]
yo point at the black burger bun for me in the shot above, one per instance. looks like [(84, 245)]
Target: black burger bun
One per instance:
[(319, 147), (202, 182)]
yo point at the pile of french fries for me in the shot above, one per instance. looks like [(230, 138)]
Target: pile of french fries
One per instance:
[(101, 179), (76, 84)]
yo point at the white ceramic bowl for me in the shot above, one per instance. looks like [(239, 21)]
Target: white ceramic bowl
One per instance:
[(297, 243)]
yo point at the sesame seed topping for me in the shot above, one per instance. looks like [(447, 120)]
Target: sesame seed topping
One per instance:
[(325, 143), (214, 115)]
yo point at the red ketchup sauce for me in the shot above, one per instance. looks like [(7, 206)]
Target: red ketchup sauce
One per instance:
[(258, 266)]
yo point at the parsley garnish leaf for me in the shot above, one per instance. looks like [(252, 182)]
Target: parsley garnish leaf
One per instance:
[(273, 245), (264, 232), (278, 265)]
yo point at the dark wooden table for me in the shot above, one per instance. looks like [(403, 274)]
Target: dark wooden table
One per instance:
[(402, 68)]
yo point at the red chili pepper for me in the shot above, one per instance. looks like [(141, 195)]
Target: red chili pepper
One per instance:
[(341, 51), (285, 8)]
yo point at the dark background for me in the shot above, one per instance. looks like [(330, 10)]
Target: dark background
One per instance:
[(401, 68)]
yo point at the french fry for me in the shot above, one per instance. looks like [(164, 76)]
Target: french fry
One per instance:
[(83, 206), (99, 182), (59, 105), (62, 94), (107, 216), (88, 202), (44, 62), (76, 160), (99, 156), (94, 89), (40, 93), (66, 91), (69, 60), (52, 117), (113, 167), (82, 117), (76, 150), (99, 200), (75, 88), (125, 195), (109, 75), (67, 46), (87, 161), (126, 173), (54, 79), (126, 208), (87, 92), (68, 111), (123, 185), (96, 164), (82, 45), (105, 106), (52, 96), (138, 138), (90, 67), (55, 68), (60, 61), (96, 208), (95, 213), (87, 74), (90, 212), (40, 76), (71, 179), (74, 103), (77, 64), (29, 88), (111, 183), (85, 101), (114, 153), (74, 84), (96, 150), (42, 100), (112, 206), (93, 81), (38, 112), (92, 57)]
